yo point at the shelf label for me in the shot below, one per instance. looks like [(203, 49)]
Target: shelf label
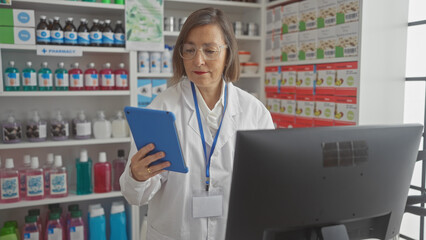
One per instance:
[(59, 51)]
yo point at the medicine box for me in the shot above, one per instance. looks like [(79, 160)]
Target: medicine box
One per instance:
[(288, 79), (306, 76), (144, 92), (326, 77), (324, 110), (308, 15), (17, 18), (17, 35), (158, 86), (346, 111)]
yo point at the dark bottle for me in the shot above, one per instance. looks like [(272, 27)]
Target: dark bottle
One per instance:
[(107, 35), (43, 31), (83, 33), (101, 25), (70, 33), (119, 37), (95, 34), (50, 24), (57, 33)]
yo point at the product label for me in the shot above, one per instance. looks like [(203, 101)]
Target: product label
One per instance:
[(35, 186), (83, 38), (29, 79), (11, 79), (121, 80), (347, 11), (96, 37), (289, 47), (32, 236), (76, 80), (327, 10), (34, 131), (108, 37), (57, 36), (91, 80), (54, 234), (61, 80), (77, 233), (108, 80), (119, 38), (58, 184), (347, 43), (45, 80), (70, 37), (83, 129), (9, 188), (43, 36), (47, 179)]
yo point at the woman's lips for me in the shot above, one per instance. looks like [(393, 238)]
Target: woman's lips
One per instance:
[(199, 73)]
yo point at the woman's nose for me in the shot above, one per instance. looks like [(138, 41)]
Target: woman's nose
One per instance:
[(199, 58)]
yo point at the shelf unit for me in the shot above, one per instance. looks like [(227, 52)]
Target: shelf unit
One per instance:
[(66, 143)]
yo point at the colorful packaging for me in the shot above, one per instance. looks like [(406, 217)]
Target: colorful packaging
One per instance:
[(289, 47), (326, 46), (288, 79), (144, 92), (327, 10), (287, 110), (305, 105), (326, 77), (308, 45), (272, 79), (324, 110), (347, 40), (308, 15), (347, 11), (290, 22), (346, 111), (17, 35), (347, 79), (158, 86), (17, 17), (306, 76)]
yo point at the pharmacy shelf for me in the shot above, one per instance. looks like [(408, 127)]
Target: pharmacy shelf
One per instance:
[(63, 93), (317, 61), (66, 143), (247, 75), (84, 49), (70, 198), (279, 2), (154, 75), (245, 38), (226, 6)]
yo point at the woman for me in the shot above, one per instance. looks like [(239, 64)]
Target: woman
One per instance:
[(195, 205)]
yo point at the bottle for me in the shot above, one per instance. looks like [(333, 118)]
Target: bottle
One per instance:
[(166, 58), (11, 78), (54, 229), (107, 78), (9, 183), (118, 166), (101, 26), (83, 168), (61, 78), (102, 171), (76, 78), (56, 32), (31, 229), (59, 210), (8, 233), (121, 78), (91, 78), (50, 25), (118, 221), (58, 179), (95, 34), (36, 212), (12, 225), (97, 225), (76, 229), (36, 129), (12, 130), (29, 78), (119, 36), (43, 31), (143, 66), (22, 175), (101, 126), (59, 127), (83, 33), (107, 34), (81, 127), (70, 32), (47, 167), (155, 62), (34, 181), (45, 79), (119, 126), (119, 2), (71, 208)]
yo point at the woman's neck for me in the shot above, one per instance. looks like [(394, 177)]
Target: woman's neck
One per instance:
[(211, 94)]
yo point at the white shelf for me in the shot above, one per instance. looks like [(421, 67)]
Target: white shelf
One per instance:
[(317, 61), (72, 142), (279, 2), (84, 49), (154, 75), (169, 34), (63, 93), (70, 198), (246, 75), (227, 6)]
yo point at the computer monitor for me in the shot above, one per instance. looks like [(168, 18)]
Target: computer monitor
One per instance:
[(315, 183)]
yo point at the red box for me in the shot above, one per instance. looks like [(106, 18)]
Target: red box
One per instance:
[(272, 79), (305, 105), (347, 79), (324, 110), (326, 77), (288, 79), (305, 79), (346, 111)]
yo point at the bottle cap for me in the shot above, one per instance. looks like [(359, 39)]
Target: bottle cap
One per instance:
[(61, 65), (56, 18), (43, 17), (121, 153), (56, 209), (9, 163), (27, 159), (107, 21), (93, 206), (34, 212), (102, 157), (44, 64), (91, 65), (53, 206), (107, 65), (70, 19), (73, 207), (50, 158), (119, 115), (59, 116), (117, 207), (34, 162), (95, 20), (76, 214), (101, 115), (96, 212), (54, 216), (29, 64), (83, 156), (81, 116), (30, 219), (75, 65), (11, 118), (12, 63), (121, 65), (58, 161), (83, 20), (36, 116), (118, 22)]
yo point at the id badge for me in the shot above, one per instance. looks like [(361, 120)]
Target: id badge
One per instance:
[(207, 204)]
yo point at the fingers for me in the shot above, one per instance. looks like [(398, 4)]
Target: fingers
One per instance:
[(142, 152), (140, 163)]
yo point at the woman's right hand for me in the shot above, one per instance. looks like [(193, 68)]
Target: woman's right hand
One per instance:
[(140, 163)]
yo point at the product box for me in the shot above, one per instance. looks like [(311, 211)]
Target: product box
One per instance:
[(268, 49), (306, 77), (144, 92), (308, 15), (276, 48), (308, 45), (273, 105), (16, 17), (324, 110), (305, 105), (270, 21), (326, 77), (17, 35), (346, 111), (347, 11), (272, 79), (278, 13), (288, 106), (347, 40), (288, 79), (347, 79), (289, 47), (327, 10), (290, 22), (326, 45), (158, 86)]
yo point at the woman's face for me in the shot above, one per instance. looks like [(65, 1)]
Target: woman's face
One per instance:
[(203, 72)]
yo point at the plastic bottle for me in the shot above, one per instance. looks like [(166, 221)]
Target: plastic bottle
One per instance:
[(47, 167), (9, 183), (81, 127), (166, 58), (118, 221), (22, 175), (36, 212), (101, 26), (70, 32), (13, 225), (119, 37), (95, 34), (11, 78), (83, 33), (54, 229), (56, 33), (119, 126), (155, 62), (97, 224), (107, 34), (84, 174), (61, 78), (143, 59), (121, 78), (59, 127), (12, 130), (45, 79), (34, 181), (102, 171), (118, 166), (101, 126), (71, 208), (76, 78), (107, 78), (43, 31), (36, 129), (58, 179), (29, 78), (31, 229), (91, 78), (50, 25), (76, 229), (8, 233)]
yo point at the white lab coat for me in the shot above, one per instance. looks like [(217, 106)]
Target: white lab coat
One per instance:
[(169, 194)]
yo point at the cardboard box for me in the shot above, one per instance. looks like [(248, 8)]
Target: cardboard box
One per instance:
[(346, 111), (288, 106), (347, 40), (347, 11), (305, 105), (289, 47), (306, 77), (326, 45), (278, 12), (347, 79), (272, 78), (276, 48), (17, 17), (270, 24), (308, 45), (308, 15), (290, 18), (144, 92), (326, 77), (324, 110), (288, 79), (158, 86), (17, 35), (327, 10), (268, 49)]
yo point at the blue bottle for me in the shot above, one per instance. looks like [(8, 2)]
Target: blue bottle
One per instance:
[(118, 221), (97, 224)]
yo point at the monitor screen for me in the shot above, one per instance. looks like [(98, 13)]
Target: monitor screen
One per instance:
[(299, 183)]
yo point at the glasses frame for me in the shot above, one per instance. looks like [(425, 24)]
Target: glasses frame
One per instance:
[(201, 49)]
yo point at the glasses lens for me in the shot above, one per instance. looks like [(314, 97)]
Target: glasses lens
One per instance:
[(188, 51), (211, 52)]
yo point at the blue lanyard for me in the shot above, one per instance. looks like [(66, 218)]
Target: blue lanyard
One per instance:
[(200, 126)]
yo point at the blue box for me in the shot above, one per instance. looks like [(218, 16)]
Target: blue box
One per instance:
[(144, 92), (158, 86)]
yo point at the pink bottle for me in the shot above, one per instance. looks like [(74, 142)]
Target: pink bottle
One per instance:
[(54, 229), (22, 172), (9, 183), (46, 169), (91, 78), (31, 229), (76, 228), (76, 78), (107, 78), (36, 212), (118, 165), (102, 171), (121, 78), (58, 179), (34, 181)]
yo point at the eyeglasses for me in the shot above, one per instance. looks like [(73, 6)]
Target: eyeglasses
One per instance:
[(209, 51)]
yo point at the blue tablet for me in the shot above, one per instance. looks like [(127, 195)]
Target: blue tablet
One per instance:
[(157, 127)]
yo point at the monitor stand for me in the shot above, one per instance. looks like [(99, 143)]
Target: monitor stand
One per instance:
[(334, 232)]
